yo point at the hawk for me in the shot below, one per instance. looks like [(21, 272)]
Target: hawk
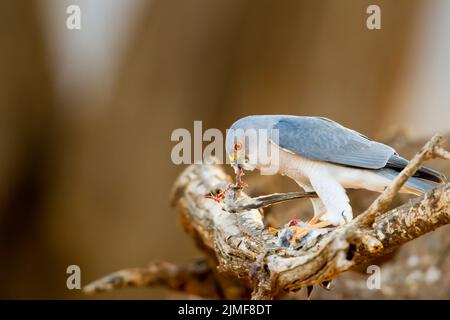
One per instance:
[(323, 156)]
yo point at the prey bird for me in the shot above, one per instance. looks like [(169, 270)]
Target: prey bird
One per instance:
[(322, 156)]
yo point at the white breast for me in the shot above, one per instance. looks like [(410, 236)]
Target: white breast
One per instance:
[(299, 168)]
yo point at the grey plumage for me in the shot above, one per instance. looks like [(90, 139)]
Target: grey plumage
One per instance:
[(398, 164), (416, 184), (323, 139), (322, 156)]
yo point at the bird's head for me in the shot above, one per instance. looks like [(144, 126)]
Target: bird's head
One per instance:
[(238, 150), (246, 140)]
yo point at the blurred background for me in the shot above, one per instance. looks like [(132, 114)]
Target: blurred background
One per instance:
[(86, 117)]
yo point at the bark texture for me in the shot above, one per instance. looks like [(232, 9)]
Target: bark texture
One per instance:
[(240, 246)]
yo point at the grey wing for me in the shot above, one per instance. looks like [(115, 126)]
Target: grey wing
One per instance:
[(323, 139)]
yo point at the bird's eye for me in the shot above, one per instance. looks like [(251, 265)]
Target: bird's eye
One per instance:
[(238, 146)]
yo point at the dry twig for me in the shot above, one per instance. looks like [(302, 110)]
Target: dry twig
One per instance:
[(235, 203), (196, 278), (380, 205)]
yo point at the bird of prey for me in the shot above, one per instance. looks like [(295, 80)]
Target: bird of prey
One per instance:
[(322, 156)]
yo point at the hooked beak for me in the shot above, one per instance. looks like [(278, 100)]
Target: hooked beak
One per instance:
[(234, 162)]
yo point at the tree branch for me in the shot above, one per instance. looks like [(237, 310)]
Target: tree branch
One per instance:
[(241, 247), (196, 278), (384, 200), (239, 240), (234, 202), (441, 153)]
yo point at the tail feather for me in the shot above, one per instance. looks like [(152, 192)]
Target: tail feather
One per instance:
[(398, 163), (417, 185), (413, 185)]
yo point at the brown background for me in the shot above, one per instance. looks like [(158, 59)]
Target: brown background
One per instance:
[(85, 175)]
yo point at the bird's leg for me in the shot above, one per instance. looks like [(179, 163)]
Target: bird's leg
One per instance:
[(333, 196), (303, 231), (316, 218), (313, 224)]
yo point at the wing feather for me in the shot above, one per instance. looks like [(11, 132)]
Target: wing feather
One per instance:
[(325, 140)]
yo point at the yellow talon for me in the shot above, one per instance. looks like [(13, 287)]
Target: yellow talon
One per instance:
[(300, 232)]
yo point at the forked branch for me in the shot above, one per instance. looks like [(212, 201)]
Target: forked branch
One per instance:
[(239, 245)]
